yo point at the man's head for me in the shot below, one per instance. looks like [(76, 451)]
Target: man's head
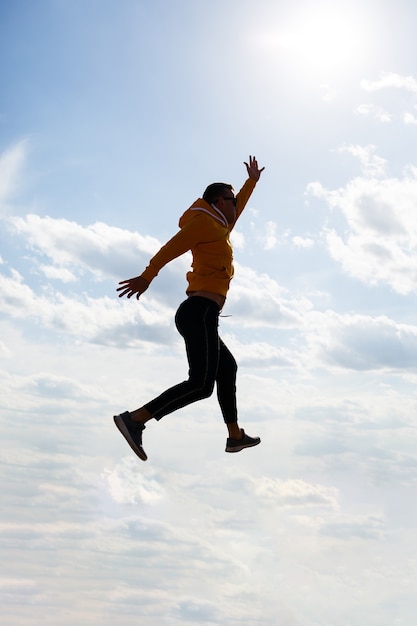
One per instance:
[(216, 191), (223, 197)]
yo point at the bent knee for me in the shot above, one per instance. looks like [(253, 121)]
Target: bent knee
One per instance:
[(204, 390), (207, 390)]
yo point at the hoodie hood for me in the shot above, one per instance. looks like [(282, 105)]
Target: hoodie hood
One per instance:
[(201, 206)]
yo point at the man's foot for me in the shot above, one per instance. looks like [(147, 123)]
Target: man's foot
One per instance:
[(132, 432), (236, 445)]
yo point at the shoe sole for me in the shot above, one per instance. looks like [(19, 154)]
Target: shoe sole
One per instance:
[(239, 448), (140, 452)]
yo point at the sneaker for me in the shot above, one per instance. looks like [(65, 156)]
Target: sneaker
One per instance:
[(236, 445), (132, 432)]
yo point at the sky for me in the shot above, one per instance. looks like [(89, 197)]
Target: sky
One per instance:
[(114, 117)]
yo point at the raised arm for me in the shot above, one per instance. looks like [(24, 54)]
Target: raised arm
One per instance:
[(244, 194)]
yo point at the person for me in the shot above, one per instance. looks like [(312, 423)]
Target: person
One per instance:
[(205, 230)]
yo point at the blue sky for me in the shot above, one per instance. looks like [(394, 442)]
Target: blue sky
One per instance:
[(114, 117)]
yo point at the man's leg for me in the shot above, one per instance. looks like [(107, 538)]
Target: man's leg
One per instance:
[(197, 322), (226, 389), (226, 394)]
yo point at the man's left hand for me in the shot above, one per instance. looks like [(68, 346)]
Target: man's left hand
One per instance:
[(253, 170)]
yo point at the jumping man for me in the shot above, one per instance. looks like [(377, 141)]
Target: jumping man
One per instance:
[(205, 230)]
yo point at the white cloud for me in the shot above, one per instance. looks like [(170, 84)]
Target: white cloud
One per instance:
[(363, 342), (99, 248), (127, 484), (238, 239), (260, 353), (372, 164), (58, 273), (294, 493), (380, 243), (377, 112), (258, 300), (265, 234), (369, 527), (105, 319), (391, 80), (410, 119), (270, 236), (303, 242)]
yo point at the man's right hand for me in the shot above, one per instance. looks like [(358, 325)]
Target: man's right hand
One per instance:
[(133, 286)]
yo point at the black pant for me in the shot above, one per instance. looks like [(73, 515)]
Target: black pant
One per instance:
[(209, 361)]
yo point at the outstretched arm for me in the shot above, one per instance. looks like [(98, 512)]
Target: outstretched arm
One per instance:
[(253, 170), (194, 232)]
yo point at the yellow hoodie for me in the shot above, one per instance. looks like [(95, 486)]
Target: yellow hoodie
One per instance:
[(205, 232)]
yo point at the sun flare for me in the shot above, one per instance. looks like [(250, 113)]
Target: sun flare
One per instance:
[(321, 40)]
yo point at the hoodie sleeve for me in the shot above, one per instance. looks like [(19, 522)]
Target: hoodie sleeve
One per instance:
[(243, 196), (191, 234)]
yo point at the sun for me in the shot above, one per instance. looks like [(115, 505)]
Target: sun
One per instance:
[(320, 40), (323, 42)]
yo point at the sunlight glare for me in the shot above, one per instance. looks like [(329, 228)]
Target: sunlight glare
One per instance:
[(320, 41)]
